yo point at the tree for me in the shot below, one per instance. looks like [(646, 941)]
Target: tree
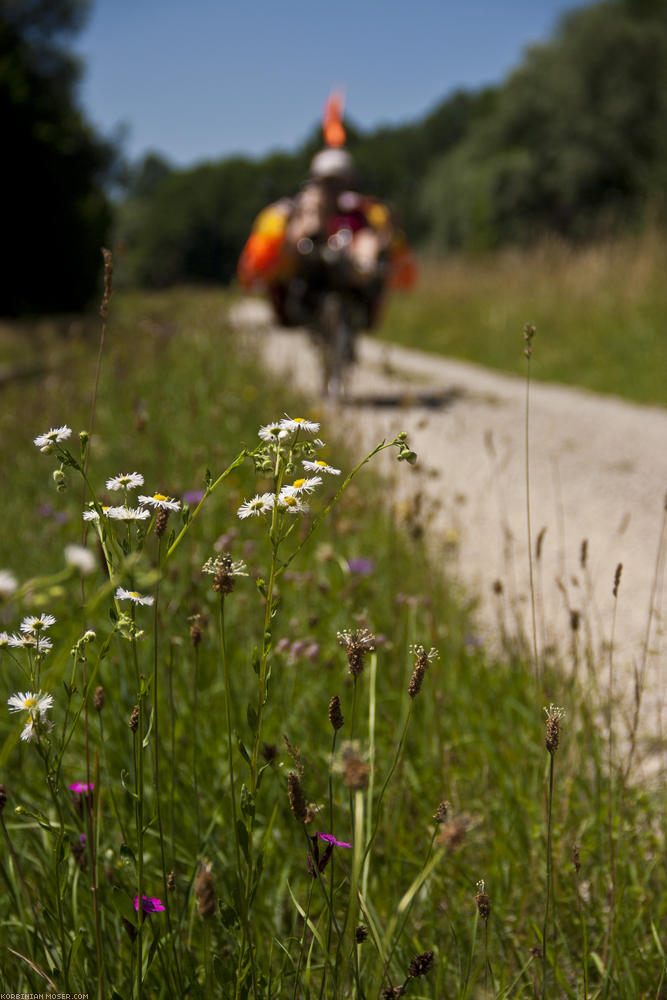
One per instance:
[(55, 213)]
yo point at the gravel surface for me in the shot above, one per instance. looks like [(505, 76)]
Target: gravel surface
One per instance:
[(598, 476)]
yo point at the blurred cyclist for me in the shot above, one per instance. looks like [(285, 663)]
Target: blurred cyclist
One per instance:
[(294, 240)]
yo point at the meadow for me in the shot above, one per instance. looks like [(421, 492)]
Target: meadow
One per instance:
[(278, 730), (599, 310)]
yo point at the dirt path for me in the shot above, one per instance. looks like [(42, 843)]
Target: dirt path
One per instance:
[(598, 473)]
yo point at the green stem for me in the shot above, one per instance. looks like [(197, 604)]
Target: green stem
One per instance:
[(549, 878)]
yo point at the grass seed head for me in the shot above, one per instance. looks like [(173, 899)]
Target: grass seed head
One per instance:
[(355, 769), (392, 991), (617, 579), (171, 880), (205, 892), (576, 861), (357, 643), (161, 521), (440, 814), (134, 719), (99, 698), (483, 901), (360, 933), (3, 798), (297, 800), (335, 713), (421, 964), (554, 715)]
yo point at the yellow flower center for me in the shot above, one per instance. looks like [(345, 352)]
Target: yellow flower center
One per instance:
[(30, 702), (290, 502), (159, 496), (299, 420), (298, 483), (321, 464), (135, 593)]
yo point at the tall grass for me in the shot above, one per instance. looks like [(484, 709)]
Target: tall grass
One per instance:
[(237, 717), (599, 309)]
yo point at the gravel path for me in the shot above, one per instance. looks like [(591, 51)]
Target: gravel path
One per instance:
[(598, 476)]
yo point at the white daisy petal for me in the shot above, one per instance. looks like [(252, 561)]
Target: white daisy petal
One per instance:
[(160, 501), (125, 481), (295, 424), (320, 466), (45, 441), (133, 595)]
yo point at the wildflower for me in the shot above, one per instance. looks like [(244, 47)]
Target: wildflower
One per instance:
[(193, 497), (126, 513), (271, 433), (303, 485), (357, 643), (125, 481), (420, 965), (4, 639), (225, 571), (360, 567), (36, 704), (93, 515), (132, 595), (8, 583), (149, 904), (159, 500), (34, 728), (46, 441), (80, 558), (319, 466), (423, 660), (81, 788), (37, 623), (291, 504), (295, 424), (260, 504), (483, 901), (330, 839), (554, 715), (15, 641)]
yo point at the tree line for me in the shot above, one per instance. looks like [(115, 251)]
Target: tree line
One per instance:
[(573, 142)]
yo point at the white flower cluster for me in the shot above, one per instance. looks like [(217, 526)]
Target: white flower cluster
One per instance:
[(289, 499)]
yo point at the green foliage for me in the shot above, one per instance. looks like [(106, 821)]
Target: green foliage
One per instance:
[(179, 395), (55, 215), (576, 143)]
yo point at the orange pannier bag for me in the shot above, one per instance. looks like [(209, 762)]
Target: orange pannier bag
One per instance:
[(262, 260)]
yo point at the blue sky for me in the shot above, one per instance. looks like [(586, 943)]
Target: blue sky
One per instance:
[(200, 79)]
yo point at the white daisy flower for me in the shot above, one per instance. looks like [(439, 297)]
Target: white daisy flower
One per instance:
[(125, 481), (260, 504), (8, 583), (319, 466), (304, 485), (159, 500), (290, 503), (34, 727), (127, 513), (272, 432), (54, 436), (132, 595), (39, 643), (294, 424), (92, 515), (4, 639), (37, 623), (27, 701), (15, 641), (80, 557)]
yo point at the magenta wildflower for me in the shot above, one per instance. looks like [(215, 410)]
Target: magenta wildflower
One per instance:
[(330, 839), (150, 904), (361, 566), (81, 788)]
